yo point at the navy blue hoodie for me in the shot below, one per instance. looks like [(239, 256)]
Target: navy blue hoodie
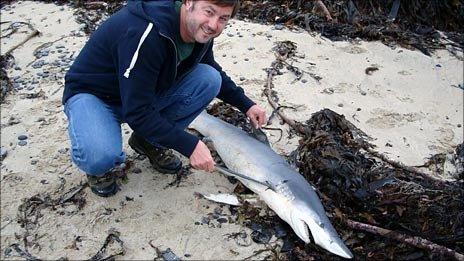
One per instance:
[(131, 58)]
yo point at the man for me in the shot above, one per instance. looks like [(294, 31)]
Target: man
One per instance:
[(150, 65)]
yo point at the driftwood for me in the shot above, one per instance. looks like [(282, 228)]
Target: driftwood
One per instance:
[(411, 240), (320, 6), (29, 37)]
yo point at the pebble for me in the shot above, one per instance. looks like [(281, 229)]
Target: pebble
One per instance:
[(304, 81), (363, 93), (250, 48), (242, 78), (222, 220), (246, 59), (33, 162), (3, 153), (22, 143), (230, 35), (224, 55), (279, 27), (17, 68), (136, 170), (459, 125), (340, 105), (358, 109), (22, 137)]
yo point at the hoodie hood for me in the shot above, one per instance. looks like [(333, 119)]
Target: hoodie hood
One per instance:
[(161, 13)]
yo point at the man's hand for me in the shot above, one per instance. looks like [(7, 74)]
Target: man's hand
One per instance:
[(201, 158), (257, 116)]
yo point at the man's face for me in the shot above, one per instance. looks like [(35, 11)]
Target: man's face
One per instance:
[(205, 20)]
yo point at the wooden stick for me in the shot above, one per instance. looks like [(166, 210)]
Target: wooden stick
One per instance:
[(29, 37), (321, 6), (411, 240)]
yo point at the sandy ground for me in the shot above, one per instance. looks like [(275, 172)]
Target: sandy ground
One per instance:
[(411, 107)]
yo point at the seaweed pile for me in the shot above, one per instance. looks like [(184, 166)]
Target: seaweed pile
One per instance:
[(411, 24), (357, 186)]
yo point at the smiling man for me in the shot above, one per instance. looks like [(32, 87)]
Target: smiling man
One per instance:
[(150, 65)]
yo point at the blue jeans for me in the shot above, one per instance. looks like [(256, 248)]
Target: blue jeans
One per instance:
[(95, 126)]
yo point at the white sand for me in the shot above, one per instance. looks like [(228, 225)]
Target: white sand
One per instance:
[(409, 103)]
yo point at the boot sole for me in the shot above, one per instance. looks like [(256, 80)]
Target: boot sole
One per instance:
[(154, 164)]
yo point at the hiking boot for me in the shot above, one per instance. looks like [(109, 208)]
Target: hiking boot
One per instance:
[(103, 186), (163, 160)]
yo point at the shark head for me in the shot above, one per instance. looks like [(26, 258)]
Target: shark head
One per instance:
[(302, 221)]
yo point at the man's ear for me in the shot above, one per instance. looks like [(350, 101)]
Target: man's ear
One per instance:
[(188, 4)]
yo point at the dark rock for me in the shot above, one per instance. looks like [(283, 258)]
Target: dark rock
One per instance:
[(22, 137), (169, 255), (242, 78), (136, 170), (222, 220), (22, 143)]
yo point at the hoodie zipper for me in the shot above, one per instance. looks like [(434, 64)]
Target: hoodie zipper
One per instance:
[(175, 50)]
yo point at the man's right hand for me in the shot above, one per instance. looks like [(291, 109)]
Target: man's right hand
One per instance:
[(201, 158)]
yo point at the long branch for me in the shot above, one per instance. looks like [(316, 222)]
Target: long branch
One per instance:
[(411, 240), (29, 37)]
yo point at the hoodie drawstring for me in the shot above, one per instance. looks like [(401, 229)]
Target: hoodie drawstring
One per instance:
[(136, 54)]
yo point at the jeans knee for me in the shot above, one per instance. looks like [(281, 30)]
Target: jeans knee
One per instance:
[(97, 162)]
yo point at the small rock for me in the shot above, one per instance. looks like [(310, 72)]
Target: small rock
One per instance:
[(388, 145), (217, 210), (44, 181), (137, 170), (187, 255), (363, 93), (246, 59), (358, 109), (250, 48), (438, 65), (340, 105), (129, 198), (17, 68), (3, 153), (304, 81), (459, 125), (279, 27), (242, 78), (222, 220), (230, 35), (224, 55), (22, 137), (34, 162)]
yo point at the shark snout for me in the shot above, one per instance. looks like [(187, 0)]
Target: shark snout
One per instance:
[(323, 234)]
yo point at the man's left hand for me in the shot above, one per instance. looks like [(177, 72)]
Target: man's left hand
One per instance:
[(257, 116)]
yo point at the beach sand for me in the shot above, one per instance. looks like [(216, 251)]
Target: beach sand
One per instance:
[(411, 107)]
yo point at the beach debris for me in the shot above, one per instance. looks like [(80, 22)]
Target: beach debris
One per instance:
[(414, 25), (369, 70), (113, 243), (3, 153), (179, 177), (223, 198)]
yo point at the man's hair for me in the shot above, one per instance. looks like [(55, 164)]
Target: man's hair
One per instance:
[(234, 3)]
